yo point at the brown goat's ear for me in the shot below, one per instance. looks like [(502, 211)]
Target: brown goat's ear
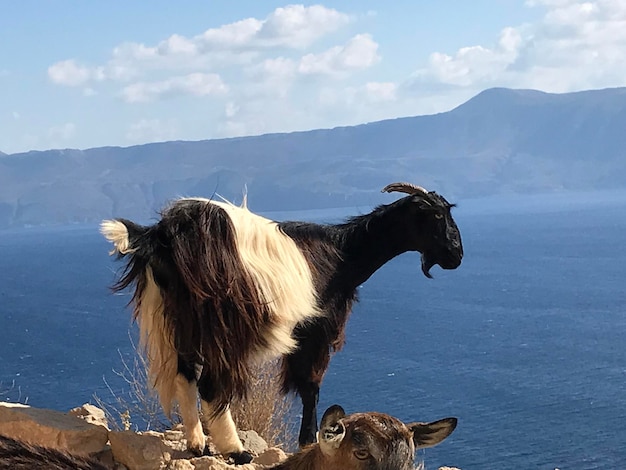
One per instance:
[(431, 434), (332, 430)]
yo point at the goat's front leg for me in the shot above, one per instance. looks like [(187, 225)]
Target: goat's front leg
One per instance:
[(303, 371), (221, 426), (187, 398), (309, 393)]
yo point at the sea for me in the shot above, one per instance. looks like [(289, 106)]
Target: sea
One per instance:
[(525, 343)]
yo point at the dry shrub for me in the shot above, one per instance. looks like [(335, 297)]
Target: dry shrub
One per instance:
[(266, 410), (137, 408), (12, 393)]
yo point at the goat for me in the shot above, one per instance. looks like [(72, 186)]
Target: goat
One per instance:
[(218, 286), (19, 455), (367, 441)]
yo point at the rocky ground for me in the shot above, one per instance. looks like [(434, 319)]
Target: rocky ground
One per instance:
[(84, 431)]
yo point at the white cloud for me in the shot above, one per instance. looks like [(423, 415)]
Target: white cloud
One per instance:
[(299, 26), (231, 109), (291, 27), (276, 78), (63, 132), (359, 96), (70, 73), (198, 84), (576, 45), (178, 45), (231, 36), (359, 53), (16, 115), (270, 79), (376, 92), (151, 130), (276, 69), (474, 65)]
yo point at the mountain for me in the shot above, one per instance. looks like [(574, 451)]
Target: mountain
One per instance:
[(500, 141)]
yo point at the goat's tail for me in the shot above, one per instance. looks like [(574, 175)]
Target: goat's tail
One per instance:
[(137, 245), (123, 233), (132, 240), (117, 233)]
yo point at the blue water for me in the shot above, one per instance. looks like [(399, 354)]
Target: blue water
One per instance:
[(524, 343)]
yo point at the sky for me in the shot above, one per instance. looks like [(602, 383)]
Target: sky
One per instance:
[(82, 74)]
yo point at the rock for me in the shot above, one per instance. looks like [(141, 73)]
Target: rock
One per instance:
[(271, 456), (90, 413), (252, 442), (180, 465), (212, 463), (50, 428), (176, 441), (105, 457), (139, 451), (83, 431)]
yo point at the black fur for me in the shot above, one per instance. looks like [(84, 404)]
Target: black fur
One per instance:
[(213, 307), (210, 302), (18, 455), (344, 256)]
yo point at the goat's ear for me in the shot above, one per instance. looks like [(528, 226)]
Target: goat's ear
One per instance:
[(431, 434), (422, 203), (332, 430)]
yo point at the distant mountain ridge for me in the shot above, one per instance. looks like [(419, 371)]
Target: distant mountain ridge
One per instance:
[(500, 141)]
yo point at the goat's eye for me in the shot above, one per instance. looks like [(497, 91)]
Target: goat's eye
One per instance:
[(438, 216), (361, 454)]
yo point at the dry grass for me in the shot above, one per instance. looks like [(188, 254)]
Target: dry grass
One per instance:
[(265, 410), (138, 407), (12, 394)]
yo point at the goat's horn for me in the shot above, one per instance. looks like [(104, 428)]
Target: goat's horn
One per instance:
[(407, 188)]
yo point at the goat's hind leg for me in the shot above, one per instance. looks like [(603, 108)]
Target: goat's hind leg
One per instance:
[(187, 397), (221, 426)]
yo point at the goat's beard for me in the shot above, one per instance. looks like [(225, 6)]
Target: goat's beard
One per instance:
[(426, 265)]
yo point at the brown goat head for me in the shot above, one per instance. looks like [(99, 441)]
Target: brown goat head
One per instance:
[(368, 441)]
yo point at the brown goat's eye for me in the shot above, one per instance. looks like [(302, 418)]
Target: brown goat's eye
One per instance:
[(438, 216), (361, 454)]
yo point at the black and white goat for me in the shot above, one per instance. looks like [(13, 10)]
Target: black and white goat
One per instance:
[(218, 286)]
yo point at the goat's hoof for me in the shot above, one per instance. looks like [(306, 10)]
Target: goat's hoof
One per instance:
[(196, 451), (206, 452), (241, 458), (306, 441)]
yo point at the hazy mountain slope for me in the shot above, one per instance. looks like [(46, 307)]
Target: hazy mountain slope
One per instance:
[(499, 141)]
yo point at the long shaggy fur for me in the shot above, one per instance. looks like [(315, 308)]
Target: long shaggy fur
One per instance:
[(19, 455), (218, 286), (215, 285)]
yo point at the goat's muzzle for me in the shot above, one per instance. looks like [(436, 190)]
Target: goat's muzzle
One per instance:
[(426, 265), (448, 262)]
